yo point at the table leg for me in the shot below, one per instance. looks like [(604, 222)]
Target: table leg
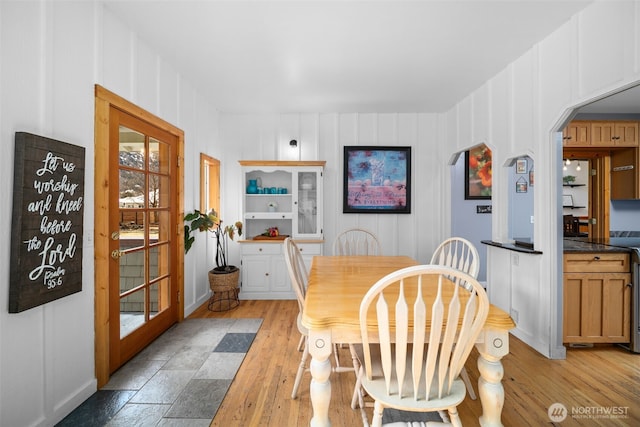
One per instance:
[(320, 389), (494, 346)]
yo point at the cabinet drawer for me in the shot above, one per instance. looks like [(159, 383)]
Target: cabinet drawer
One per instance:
[(597, 263), (261, 248), (310, 248)]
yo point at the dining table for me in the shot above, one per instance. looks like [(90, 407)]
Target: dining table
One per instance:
[(335, 289)]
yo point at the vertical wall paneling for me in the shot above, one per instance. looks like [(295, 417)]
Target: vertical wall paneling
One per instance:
[(52, 55), (555, 62), (602, 45), (465, 119), (481, 115)]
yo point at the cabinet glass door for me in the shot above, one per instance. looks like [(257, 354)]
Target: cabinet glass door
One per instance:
[(309, 190)]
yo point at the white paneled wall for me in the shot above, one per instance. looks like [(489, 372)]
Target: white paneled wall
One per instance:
[(596, 53), (51, 56), (322, 137)]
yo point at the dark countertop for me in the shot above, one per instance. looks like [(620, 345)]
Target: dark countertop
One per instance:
[(579, 245), (511, 247)]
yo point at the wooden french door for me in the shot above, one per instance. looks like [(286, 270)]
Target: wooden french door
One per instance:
[(139, 244), (143, 297)]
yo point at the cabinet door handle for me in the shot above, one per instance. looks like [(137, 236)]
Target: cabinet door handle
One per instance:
[(596, 258), (629, 285)]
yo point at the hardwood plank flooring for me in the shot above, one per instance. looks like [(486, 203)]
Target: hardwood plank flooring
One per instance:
[(590, 379)]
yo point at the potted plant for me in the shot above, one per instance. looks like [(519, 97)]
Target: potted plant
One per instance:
[(223, 277)]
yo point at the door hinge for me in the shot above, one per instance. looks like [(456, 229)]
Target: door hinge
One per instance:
[(592, 221), (178, 296), (178, 161), (594, 172)]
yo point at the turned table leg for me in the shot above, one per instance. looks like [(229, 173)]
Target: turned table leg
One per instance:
[(490, 389), (320, 389)]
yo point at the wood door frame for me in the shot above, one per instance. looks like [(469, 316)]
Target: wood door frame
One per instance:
[(209, 167), (104, 100), (599, 186)]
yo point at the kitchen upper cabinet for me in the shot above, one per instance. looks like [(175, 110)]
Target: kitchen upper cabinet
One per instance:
[(577, 134), (625, 179), (614, 134), (597, 298), (602, 133)]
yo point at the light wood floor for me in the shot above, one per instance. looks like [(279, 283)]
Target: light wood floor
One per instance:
[(600, 377)]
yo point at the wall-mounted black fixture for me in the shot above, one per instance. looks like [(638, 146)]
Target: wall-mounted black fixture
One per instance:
[(293, 143)]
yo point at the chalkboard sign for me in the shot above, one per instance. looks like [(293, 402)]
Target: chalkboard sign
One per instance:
[(46, 231)]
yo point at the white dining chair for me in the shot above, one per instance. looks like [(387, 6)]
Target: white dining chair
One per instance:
[(461, 254), (356, 241), (417, 368), (299, 280)]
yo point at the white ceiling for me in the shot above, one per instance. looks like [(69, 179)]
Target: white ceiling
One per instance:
[(627, 101), (341, 55)]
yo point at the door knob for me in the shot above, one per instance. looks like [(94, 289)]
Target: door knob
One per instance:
[(116, 254)]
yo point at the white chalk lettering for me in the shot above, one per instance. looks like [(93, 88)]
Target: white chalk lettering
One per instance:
[(66, 206), (51, 162), (50, 256), (55, 226), (41, 206), (55, 186)]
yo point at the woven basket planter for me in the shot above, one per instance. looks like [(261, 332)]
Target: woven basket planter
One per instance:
[(224, 289)]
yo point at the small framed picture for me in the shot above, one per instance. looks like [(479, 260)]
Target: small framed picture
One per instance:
[(521, 166), (521, 186)]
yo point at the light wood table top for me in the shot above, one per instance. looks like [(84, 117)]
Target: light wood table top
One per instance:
[(337, 285)]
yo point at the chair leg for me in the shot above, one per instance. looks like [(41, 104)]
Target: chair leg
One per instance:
[(467, 382), (357, 401), (335, 355), (377, 414), (445, 416), (301, 369), (301, 343), (455, 418)]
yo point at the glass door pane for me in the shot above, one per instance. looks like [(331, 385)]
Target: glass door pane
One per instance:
[(307, 203)]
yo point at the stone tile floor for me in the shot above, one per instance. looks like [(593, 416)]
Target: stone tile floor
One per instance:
[(178, 380)]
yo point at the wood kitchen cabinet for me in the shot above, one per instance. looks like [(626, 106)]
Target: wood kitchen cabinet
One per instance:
[(577, 134), (614, 134), (597, 298), (625, 178), (601, 133)]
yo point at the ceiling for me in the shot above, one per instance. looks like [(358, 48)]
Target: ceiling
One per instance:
[(341, 55), (624, 102)]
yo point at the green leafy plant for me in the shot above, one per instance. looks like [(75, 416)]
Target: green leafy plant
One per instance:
[(200, 221)]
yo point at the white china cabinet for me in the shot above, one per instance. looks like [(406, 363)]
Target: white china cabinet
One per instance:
[(286, 195)]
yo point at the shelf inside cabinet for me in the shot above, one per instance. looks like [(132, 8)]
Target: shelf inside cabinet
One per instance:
[(268, 215)]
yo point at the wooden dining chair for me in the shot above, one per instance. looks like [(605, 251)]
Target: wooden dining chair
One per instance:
[(417, 368), (459, 253), (356, 241), (299, 280)]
